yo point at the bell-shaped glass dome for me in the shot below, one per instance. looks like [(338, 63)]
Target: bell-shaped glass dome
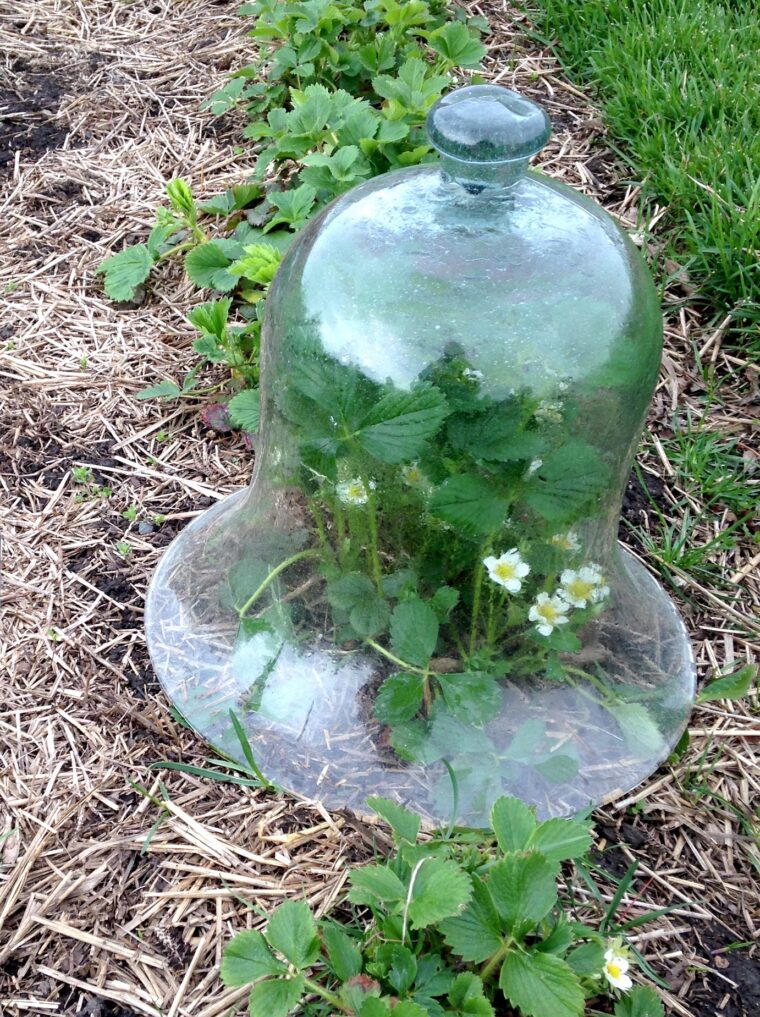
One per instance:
[(421, 594)]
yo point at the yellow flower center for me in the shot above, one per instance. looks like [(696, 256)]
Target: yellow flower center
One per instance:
[(580, 589), (355, 491), (412, 476), (613, 969), (548, 611), (505, 570)]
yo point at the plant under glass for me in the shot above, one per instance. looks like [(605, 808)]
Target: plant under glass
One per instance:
[(422, 594)]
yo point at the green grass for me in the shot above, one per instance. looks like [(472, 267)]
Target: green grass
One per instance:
[(711, 468), (679, 83)]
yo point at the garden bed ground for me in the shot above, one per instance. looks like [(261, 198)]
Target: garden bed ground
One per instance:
[(100, 104)]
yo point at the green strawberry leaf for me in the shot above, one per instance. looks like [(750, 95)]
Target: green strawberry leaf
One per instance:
[(258, 264), (475, 934), (443, 601), (474, 697), (344, 955), (414, 631), (165, 389), (349, 590), (441, 889), (470, 504), (405, 824), (372, 884), (730, 686), (402, 966), (559, 839), (234, 198), (513, 823), (460, 46), (399, 698), (557, 768), (275, 997), (541, 985), (370, 617), (641, 1001), (523, 888), (294, 207), (466, 996), (568, 483), (494, 434), (244, 410), (125, 271), (291, 930), (408, 1008), (206, 265), (642, 735), (413, 87), (397, 427), (559, 939), (211, 318), (246, 958), (586, 959)]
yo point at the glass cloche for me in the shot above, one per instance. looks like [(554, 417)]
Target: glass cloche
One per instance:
[(421, 594)]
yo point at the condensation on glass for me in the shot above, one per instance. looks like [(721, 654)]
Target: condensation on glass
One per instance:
[(421, 594)]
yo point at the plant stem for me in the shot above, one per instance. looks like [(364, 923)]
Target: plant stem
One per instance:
[(592, 679), (496, 959), (427, 695), (476, 588), (396, 660), (177, 249), (319, 522), (311, 552), (330, 997), (374, 554), (340, 526)]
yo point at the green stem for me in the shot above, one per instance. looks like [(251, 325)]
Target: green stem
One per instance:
[(476, 588), (496, 959), (374, 554), (427, 693), (493, 629), (178, 249), (340, 528), (309, 553), (330, 997), (319, 522), (458, 642), (396, 660), (592, 679)]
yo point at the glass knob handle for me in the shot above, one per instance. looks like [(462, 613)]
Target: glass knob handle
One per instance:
[(486, 134)]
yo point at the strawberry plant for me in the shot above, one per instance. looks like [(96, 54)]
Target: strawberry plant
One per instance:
[(337, 94), (462, 925)]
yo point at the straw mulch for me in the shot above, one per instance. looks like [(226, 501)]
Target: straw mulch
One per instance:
[(95, 919)]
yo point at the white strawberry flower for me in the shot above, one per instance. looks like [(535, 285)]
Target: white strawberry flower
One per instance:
[(412, 475), (578, 587), (354, 492), (508, 570), (549, 412), (472, 374), (616, 967), (566, 541), (548, 613), (601, 588)]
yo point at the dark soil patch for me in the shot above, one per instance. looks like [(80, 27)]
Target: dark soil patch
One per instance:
[(27, 116), (737, 992), (639, 500), (97, 1008)]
